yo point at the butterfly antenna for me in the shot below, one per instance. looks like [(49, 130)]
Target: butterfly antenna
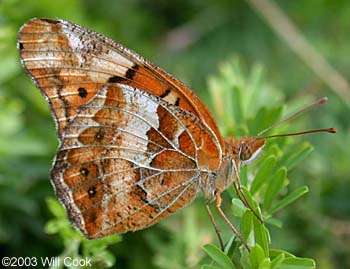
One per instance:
[(329, 130), (295, 114)]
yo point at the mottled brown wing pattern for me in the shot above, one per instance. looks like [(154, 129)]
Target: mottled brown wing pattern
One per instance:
[(135, 143), (120, 169)]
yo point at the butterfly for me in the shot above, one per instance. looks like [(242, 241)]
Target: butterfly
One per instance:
[(135, 143)]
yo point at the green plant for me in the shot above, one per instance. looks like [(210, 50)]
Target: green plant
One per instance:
[(247, 105)]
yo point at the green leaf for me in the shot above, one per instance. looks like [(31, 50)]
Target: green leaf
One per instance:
[(265, 264), (274, 186), (261, 236), (246, 224), (55, 207), (273, 149), (218, 256), (245, 259), (52, 227), (103, 259), (231, 245), (297, 154), (277, 261), (290, 198), (257, 255), (276, 252), (243, 175), (274, 221), (263, 174), (238, 207), (264, 118), (92, 247), (209, 266), (298, 263)]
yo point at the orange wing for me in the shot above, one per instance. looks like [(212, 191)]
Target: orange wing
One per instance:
[(135, 143)]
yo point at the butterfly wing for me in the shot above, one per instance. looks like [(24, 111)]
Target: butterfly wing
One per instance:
[(71, 63), (121, 164), (135, 143)]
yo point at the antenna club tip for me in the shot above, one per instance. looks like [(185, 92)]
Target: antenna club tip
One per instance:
[(332, 130), (322, 100)]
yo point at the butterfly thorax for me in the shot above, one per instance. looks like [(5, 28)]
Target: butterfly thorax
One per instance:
[(237, 153), (245, 150)]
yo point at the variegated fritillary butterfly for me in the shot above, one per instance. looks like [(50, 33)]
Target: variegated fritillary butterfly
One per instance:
[(135, 143)]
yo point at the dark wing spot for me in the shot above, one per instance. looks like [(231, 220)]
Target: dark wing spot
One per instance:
[(100, 135), (177, 102), (115, 79), (165, 93), (84, 172), (131, 72), (82, 92), (92, 192), (20, 46)]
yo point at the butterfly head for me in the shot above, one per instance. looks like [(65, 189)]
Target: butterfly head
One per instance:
[(249, 149), (245, 150)]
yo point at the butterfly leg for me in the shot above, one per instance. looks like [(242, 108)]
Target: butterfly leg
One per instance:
[(238, 188), (218, 206), (242, 197), (217, 231)]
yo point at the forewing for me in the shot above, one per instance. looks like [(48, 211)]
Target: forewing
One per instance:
[(70, 64)]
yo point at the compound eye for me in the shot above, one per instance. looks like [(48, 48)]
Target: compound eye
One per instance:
[(245, 152)]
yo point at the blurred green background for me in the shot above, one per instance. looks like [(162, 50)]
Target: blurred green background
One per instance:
[(190, 39)]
